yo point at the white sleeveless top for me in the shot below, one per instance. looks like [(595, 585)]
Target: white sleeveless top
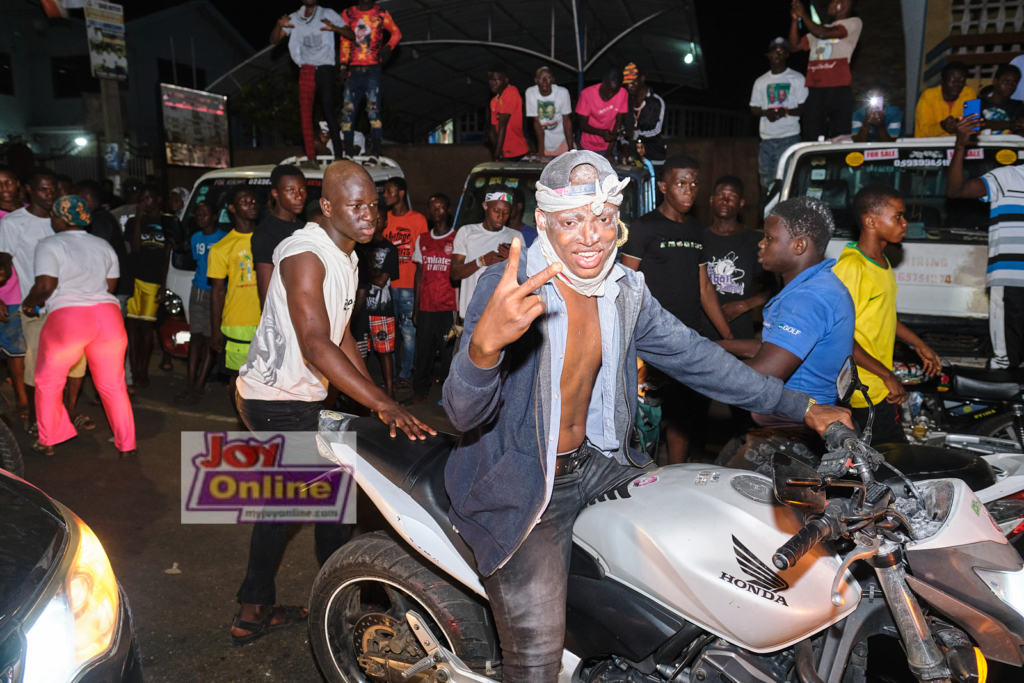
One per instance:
[(275, 369)]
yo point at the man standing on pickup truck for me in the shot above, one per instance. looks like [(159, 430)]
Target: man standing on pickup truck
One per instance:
[(779, 120), (312, 47), (829, 108), (1003, 189), (544, 393), (506, 131)]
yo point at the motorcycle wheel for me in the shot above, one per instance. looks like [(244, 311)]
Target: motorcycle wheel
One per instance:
[(998, 427), (357, 612), (10, 453)]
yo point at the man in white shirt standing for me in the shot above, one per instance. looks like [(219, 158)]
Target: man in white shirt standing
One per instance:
[(303, 342), (778, 98), (481, 245), (550, 107), (20, 231), (313, 47)]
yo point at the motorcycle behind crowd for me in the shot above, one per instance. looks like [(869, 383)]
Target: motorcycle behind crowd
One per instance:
[(690, 573)]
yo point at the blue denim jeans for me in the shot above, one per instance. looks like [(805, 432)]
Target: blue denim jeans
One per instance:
[(404, 300), (363, 81), (768, 159), (528, 592)]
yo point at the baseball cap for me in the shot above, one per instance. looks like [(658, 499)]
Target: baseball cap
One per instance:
[(780, 41), (556, 174)]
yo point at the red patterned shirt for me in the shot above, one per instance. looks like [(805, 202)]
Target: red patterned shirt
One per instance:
[(435, 255), (369, 27)]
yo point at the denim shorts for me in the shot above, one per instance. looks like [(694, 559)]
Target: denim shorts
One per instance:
[(12, 338)]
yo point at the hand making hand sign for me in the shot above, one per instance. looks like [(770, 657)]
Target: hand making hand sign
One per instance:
[(510, 311)]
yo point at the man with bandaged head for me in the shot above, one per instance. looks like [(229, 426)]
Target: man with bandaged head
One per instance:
[(543, 390)]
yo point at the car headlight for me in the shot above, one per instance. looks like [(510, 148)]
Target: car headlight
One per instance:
[(1008, 586), (80, 622), (172, 304)]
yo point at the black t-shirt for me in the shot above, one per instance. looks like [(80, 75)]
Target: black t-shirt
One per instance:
[(108, 228), (268, 234), (733, 268), (156, 236), (670, 258), (382, 255), (1007, 111)]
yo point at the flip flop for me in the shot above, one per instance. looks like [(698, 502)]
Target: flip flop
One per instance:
[(46, 450), (258, 629), (84, 422)]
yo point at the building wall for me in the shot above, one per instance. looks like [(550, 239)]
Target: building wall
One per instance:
[(32, 41)]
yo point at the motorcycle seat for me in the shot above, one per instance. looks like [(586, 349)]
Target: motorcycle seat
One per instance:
[(416, 467), (984, 383)]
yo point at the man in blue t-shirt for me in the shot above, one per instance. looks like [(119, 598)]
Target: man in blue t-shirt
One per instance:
[(877, 122), (200, 360), (808, 326)]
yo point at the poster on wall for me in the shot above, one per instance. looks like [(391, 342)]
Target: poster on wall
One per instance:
[(195, 127), (104, 26)]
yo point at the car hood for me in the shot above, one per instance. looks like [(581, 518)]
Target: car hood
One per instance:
[(33, 535)]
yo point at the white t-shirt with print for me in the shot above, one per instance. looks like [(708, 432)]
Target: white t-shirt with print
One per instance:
[(82, 263), (550, 109), (20, 231), (473, 241), (778, 91), (307, 43), (275, 369)]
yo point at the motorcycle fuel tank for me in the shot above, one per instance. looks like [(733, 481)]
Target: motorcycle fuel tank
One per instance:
[(700, 540)]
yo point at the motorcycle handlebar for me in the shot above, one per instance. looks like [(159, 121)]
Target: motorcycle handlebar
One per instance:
[(811, 535), (837, 434)]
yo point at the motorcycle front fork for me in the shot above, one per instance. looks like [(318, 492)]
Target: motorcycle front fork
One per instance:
[(926, 660)]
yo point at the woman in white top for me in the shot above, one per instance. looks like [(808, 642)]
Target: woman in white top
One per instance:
[(75, 275)]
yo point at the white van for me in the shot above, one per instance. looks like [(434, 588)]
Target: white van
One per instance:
[(940, 266), (214, 187)]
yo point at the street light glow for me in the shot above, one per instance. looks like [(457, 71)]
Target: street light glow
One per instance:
[(81, 142), (688, 59)]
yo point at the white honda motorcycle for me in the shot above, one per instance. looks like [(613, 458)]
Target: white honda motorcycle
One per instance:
[(687, 573)]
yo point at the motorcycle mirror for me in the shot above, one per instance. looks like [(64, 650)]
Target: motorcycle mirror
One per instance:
[(848, 382), (796, 484)]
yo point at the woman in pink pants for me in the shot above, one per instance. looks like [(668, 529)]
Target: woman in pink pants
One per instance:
[(75, 275)]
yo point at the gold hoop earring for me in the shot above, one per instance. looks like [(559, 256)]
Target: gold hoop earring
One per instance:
[(623, 234)]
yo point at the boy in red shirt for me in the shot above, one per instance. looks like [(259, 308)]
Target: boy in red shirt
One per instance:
[(361, 58), (403, 229), (437, 301), (506, 133)]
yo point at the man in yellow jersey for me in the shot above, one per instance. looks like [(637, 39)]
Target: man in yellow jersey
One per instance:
[(866, 272), (235, 301)]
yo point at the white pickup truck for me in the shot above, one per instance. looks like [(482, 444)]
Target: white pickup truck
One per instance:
[(940, 266)]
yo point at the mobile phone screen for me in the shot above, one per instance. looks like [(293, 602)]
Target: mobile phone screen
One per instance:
[(972, 107)]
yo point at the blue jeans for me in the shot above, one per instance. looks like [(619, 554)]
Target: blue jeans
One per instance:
[(528, 593), (768, 159), (404, 300), (363, 81)]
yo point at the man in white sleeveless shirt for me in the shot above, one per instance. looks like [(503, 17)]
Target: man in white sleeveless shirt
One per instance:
[(302, 345)]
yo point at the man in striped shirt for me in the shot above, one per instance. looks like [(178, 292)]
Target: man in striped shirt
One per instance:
[(1003, 189)]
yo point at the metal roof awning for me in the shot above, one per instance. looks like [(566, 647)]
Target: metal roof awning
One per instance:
[(440, 67)]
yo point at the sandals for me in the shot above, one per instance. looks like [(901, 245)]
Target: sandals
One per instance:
[(84, 422), (40, 448), (133, 453), (258, 629)]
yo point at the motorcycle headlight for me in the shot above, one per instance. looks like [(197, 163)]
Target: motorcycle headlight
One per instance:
[(1008, 586), (172, 304), (80, 622)]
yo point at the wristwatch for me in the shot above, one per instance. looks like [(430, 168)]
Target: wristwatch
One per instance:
[(480, 262), (810, 402)]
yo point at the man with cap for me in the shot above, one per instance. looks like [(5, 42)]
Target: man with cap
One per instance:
[(545, 424), (780, 116), (643, 123), (481, 245)]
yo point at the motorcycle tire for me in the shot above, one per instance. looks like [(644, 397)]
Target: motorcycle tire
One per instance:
[(358, 604), (998, 427), (10, 453)]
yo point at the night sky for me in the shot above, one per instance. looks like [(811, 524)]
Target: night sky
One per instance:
[(734, 36)]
